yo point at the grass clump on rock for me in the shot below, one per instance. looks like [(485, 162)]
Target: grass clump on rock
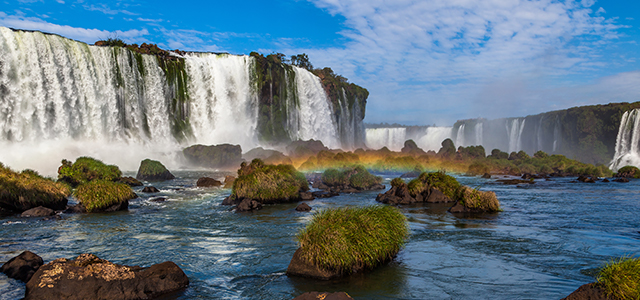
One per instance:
[(86, 169), (346, 240), (27, 189), (620, 279), (355, 177), (153, 170), (268, 183), (629, 172), (448, 185), (100, 195), (476, 200)]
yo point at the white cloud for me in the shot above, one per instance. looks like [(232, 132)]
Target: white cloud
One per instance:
[(439, 60), (81, 34), (150, 20), (103, 8)]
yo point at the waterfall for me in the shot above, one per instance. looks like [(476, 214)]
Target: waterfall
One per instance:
[(627, 147), (514, 129), (61, 98), (460, 136), (433, 137), (316, 121), (479, 133), (392, 138)]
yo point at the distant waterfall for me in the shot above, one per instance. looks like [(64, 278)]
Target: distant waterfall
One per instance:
[(514, 129), (479, 133), (392, 138), (627, 148), (432, 140), (460, 136), (61, 98)]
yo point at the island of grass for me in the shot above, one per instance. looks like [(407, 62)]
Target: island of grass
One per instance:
[(104, 196), (25, 190), (350, 179), (438, 187), (259, 183), (628, 172), (343, 241), (153, 170), (619, 280), (86, 169)]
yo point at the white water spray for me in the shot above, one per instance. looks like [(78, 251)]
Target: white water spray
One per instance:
[(627, 148)]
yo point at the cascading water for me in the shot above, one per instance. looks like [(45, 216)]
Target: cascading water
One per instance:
[(460, 136), (61, 98), (627, 142), (479, 133), (433, 137), (514, 129), (392, 138)]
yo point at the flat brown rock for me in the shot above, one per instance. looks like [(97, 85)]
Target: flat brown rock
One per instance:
[(300, 267), (587, 292)]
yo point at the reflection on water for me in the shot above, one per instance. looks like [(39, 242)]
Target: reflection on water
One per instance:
[(550, 239)]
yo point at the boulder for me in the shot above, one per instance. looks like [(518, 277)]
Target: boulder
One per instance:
[(130, 181), (89, 277), (587, 179), (248, 205), (323, 296), (224, 156), (153, 170), (268, 156), (150, 189), (325, 194), (158, 199), (75, 209), (300, 267), (475, 201), (515, 181), (208, 182), (306, 196), (605, 180), (486, 176), (39, 211), (398, 194), (622, 179), (587, 292), (23, 266), (436, 196), (302, 148), (303, 207)]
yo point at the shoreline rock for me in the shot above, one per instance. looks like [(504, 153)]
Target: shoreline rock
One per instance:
[(208, 182), (587, 291), (89, 277), (23, 266)]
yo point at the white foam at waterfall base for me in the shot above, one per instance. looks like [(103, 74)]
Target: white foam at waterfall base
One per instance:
[(432, 140), (627, 148), (392, 138)]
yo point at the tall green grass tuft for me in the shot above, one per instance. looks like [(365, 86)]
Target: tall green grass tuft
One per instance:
[(268, 183), (347, 239), (86, 169), (620, 279), (27, 189), (448, 185), (100, 194), (479, 200)]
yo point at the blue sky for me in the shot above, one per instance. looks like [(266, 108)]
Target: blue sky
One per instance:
[(424, 62)]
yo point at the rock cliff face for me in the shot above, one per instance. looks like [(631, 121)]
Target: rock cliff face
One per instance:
[(59, 89), (586, 133)]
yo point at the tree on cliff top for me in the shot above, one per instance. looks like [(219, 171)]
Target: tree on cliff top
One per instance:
[(302, 61)]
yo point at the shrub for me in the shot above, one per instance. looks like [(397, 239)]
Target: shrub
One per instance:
[(268, 183), (478, 200), (344, 239), (100, 194), (25, 190), (540, 154), (620, 279), (87, 169), (333, 177), (443, 182), (396, 182)]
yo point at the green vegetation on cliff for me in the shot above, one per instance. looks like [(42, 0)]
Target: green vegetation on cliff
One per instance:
[(268, 183), (100, 194), (620, 279), (27, 189), (348, 239), (357, 177)]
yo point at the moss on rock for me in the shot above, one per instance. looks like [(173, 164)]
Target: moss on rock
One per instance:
[(86, 169), (354, 177), (268, 183), (26, 190), (348, 239), (100, 195), (153, 170)]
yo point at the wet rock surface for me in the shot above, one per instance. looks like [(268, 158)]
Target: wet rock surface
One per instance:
[(23, 266)]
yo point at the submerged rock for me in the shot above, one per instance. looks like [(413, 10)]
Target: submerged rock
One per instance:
[(587, 179), (300, 267), (248, 205), (515, 181), (89, 277), (303, 207), (39, 211), (23, 266), (306, 196), (621, 180), (323, 296), (486, 176), (153, 170), (150, 189), (208, 182)]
